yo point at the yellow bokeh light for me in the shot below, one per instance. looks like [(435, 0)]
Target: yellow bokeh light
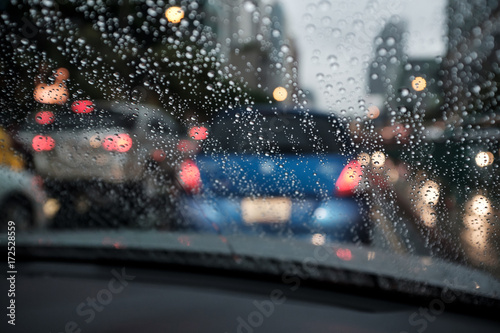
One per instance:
[(280, 94), (479, 205), (373, 112), (378, 159), (364, 159), (318, 239), (484, 159), (51, 207), (174, 14), (419, 84), (95, 141), (428, 216), (430, 192)]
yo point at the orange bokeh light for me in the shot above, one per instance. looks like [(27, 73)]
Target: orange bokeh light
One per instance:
[(280, 94), (373, 112), (56, 93), (419, 83), (118, 142), (174, 14)]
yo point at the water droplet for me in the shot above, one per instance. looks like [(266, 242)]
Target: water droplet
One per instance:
[(311, 28), (249, 6)]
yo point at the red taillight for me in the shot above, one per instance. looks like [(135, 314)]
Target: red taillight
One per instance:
[(37, 182), (159, 155), (190, 176), (83, 106), (344, 254), (118, 142), (45, 117), (43, 143), (198, 133), (349, 179)]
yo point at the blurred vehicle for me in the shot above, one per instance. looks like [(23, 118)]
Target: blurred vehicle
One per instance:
[(474, 148), (282, 171), (21, 199), (105, 155)]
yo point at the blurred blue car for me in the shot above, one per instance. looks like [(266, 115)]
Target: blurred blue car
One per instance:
[(275, 171)]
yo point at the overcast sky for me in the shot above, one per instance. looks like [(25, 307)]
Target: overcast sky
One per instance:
[(335, 41)]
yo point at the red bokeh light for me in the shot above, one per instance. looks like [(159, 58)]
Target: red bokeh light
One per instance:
[(45, 117), (83, 106), (344, 254), (159, 155), (184, 240), (349, 179), (190, 176), (118, 142), (109, 143), (43, 143), (198, 132)]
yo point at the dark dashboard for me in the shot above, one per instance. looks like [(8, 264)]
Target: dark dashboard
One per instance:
[(82, 297)]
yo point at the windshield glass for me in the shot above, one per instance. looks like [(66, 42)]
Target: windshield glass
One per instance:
[(257, 130)]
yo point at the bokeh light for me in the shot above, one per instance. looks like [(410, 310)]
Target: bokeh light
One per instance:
[(56, 93), (61, 74), (45, 117), (118, 142), (344, 254), (123, 143), (484, 159), (159, 155), (43, 143), (430, 192), (318, 239), (419, 83), (477, 220), (83, 106), (373, 112), (428, 216), (280, 94), (378, 159), (190, 176), (479, 205), (198, 133), (95, 141), (364, 159), (174, 14), (51, 207), (349, 179)]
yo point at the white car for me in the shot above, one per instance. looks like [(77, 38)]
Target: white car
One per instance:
[(104, 154), (112, 143), (21, 199)]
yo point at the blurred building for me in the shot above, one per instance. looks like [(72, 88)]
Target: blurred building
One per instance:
[(471, 66), (392, 73), (253, 37), (385, 69), (386, 65)]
